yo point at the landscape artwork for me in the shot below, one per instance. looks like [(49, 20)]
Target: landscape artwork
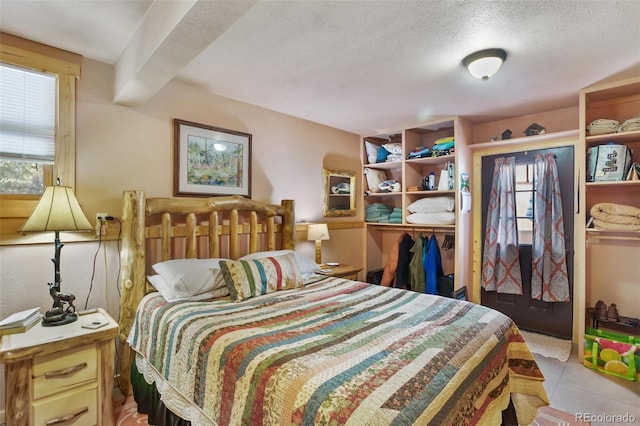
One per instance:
[(211, 160)]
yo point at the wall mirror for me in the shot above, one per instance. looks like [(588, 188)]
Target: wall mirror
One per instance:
[(339, 193)]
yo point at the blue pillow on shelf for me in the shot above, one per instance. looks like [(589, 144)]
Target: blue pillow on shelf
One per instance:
[(382, 155)]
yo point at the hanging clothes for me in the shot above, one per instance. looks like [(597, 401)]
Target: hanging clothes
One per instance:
[(432, 266), (390, 268), (404, 258), (416, 266), (500, 258), (549, 278)]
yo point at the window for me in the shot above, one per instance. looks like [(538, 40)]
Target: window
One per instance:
[(525, 193), (49, 153), (27, 129)]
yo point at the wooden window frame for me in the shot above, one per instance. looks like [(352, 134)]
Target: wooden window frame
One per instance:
[(15, 209)]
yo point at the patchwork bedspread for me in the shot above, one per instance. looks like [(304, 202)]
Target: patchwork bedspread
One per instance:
[(336, 352)]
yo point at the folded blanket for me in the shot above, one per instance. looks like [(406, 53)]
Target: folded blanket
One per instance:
[(616, 217)]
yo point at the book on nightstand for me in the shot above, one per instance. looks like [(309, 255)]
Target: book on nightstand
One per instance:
[(20, 321)]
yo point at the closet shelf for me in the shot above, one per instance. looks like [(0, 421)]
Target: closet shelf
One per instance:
[(387, 165), (435, 192), (601, 234), (412, 226), (525, 140), (431, 160), (625, 183), (612, 137)]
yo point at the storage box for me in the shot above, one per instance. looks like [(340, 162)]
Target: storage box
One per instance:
[(609, 162), (612, 353)]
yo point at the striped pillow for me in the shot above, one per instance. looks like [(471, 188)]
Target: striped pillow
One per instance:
[(250, 278)]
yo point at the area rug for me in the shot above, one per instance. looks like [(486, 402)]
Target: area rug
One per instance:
[(126, 415), (549, 416), (550, 347)]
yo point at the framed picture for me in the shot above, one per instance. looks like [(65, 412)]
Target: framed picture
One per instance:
[(210, 161)]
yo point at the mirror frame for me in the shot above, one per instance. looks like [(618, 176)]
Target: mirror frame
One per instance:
[(329, 179)]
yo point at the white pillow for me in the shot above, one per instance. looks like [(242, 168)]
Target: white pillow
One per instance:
[(439, 218), (170, 295), (190, 277), (374, 178), (372, 152), (432, 205), (306, 266)]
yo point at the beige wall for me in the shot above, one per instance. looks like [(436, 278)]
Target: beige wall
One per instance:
[(122, 148)]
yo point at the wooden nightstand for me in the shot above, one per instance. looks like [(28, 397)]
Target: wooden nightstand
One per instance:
[(349, 272), (60, 374)]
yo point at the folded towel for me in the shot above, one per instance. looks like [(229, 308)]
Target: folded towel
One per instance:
[(616, 217)]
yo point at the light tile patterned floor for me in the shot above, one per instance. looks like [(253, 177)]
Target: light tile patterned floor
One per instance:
[(573, 388)]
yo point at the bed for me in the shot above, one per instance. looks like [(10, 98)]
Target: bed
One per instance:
[(313, 349)]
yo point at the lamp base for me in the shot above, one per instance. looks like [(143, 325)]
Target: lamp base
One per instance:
[(51, 319)]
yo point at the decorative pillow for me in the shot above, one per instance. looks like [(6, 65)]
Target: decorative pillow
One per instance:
[(306, 266), (382, 155), (372, 151), (170, 295), (432, 205), (374, 179), (250, 278), (190, 277)]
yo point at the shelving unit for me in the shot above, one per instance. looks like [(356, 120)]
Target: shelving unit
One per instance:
[(610, 268), (380, 237)]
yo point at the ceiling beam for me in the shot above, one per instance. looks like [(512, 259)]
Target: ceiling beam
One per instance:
[(170, 36)]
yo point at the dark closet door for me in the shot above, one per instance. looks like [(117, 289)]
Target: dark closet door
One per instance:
[(555, 319)]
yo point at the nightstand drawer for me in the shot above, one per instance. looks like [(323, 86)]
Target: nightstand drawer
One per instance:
[(58, 372), (71, 408)]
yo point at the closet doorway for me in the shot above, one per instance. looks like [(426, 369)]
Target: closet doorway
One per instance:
[(554, 319)]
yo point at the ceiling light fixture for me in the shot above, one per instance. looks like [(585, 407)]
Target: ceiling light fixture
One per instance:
[(484, 63)]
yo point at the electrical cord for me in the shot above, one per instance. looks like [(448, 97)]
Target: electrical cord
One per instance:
[(93, 273), (95, 257)]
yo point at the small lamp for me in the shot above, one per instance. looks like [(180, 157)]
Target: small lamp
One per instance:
[(484, 63), (318, 232), (58, 210)]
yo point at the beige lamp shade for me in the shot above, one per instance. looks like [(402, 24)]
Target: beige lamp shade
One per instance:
[(57, 210), (318, 232)]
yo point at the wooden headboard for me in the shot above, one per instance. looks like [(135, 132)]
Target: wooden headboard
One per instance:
[(159, 229)]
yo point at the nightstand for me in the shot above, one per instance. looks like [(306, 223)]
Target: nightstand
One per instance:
[(349, 272), (60, 375)]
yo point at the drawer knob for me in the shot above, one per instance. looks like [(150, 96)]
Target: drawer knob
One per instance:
[(64, 371), (67, 418)]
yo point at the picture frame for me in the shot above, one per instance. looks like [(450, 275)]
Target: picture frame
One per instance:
[(210, 161)]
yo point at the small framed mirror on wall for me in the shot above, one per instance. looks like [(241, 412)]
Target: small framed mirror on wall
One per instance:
[(339, 193)]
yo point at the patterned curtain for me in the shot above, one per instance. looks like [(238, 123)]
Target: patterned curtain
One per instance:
[(549, 278), (501, 258)]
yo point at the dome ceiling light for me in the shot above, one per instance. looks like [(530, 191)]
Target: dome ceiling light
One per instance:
[(484, 63)]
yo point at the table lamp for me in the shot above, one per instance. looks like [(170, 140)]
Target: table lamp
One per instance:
[(318, 232), (58, 210)]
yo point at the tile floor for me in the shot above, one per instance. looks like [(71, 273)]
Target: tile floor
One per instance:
[(573, 388)]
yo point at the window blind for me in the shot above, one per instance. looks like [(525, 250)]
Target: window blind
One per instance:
[(27, 115)]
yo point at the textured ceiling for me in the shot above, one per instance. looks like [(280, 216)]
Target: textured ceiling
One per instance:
[(361, 66)]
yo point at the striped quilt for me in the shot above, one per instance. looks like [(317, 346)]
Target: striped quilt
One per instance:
[(336, 352)]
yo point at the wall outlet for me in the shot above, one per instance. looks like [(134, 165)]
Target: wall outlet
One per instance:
[(101, 224)]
